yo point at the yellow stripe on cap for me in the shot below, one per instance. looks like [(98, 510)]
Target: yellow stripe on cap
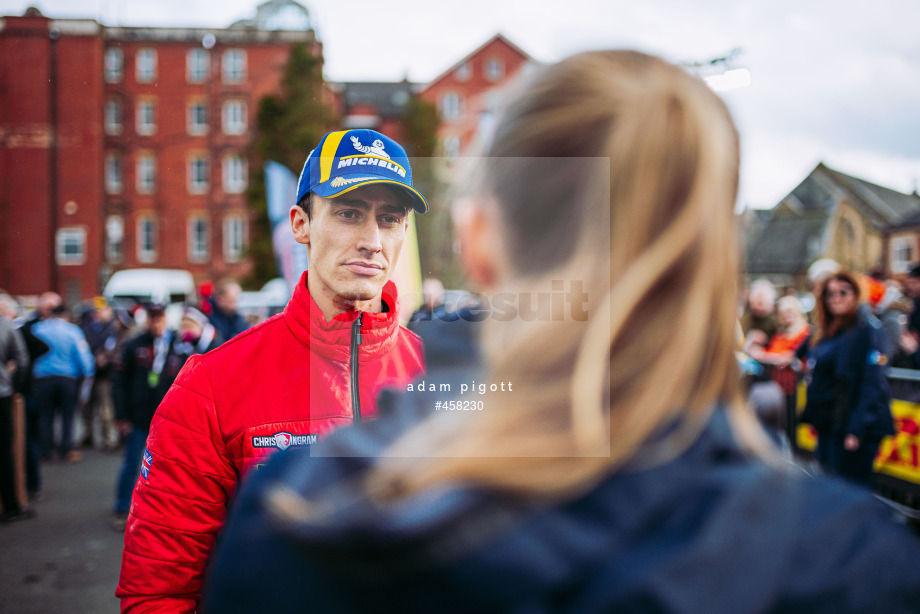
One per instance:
[(327, 155)]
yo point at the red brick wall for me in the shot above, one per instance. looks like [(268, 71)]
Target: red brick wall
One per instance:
[(27, 264)]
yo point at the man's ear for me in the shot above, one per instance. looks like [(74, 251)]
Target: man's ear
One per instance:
[(479, 238), (300, 225)]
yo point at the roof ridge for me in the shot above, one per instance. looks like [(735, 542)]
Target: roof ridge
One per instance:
[(468, 56)]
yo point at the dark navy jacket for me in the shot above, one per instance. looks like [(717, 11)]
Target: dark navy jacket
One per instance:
[(228, 325), (712, 531), (849, 393)]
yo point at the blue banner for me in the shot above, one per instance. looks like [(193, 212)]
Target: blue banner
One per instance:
[(281, 190)]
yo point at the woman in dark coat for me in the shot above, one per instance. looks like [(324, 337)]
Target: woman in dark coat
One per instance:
[(848, 398), (601, 460)]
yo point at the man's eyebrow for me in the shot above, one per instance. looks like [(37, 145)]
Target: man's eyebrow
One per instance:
[(350, 202), (395, 208), (360, 204)]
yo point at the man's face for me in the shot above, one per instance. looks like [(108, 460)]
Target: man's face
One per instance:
[(229, 298), (156, 325), (761, 303), (355, 240), (912, 287)]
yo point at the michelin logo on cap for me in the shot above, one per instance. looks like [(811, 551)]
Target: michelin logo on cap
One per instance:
[(375, 149)]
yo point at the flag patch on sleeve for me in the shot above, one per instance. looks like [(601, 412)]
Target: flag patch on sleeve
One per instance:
[(146, 463)]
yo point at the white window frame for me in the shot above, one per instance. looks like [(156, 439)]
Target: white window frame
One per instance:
[(451, 105), (235, 174), (233, 117), (146, 173), (198, 173), (233, 66), (67, 237), (464, 72), (114, 238), (197, 65), (235, 238), (146, 229), (146, 116), (114, 177), (114, 65), (196, 128), (113, 122), (145, 65), (899, 264), (199, 238), (493, 69)]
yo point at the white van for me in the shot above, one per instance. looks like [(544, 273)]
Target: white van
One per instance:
[(170, 287)]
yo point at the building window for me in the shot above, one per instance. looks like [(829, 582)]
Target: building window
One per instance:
[(146, 65), (234, 238), (451, 147), (114, 65), (197, 118), (234, 117), (146, 173), (198, 239), (113, 117), (494, 69), (450, 105), (146, 117), (146, 239), (198, 173), (71, 246), (233, 66), (902, 254), (464, 72), (198, 65), (113, 180), (114, 238), (234, 174)]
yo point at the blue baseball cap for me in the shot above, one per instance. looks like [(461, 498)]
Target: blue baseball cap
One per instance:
[(349, 159)]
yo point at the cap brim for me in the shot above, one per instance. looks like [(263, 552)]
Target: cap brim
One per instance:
[(418, 201)]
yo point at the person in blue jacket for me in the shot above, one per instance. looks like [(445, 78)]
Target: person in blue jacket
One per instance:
[(849, 403), (224, 315), (591, 452)]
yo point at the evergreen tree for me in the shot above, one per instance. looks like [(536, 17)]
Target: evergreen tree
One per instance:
[(435, 228), (288, 125)]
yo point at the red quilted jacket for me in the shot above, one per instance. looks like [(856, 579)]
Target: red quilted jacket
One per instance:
[(283, 384)]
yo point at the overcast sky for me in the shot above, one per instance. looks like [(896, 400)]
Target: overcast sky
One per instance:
[(832, 80)]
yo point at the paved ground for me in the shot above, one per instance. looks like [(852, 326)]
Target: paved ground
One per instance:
[(67, 559)]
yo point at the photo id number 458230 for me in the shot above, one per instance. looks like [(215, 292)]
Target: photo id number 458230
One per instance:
[(458, 406)]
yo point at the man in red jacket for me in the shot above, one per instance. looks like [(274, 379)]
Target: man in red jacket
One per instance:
[(285, 383)]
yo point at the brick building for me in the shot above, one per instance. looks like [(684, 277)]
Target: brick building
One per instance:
[(127, 147), (468, 93)]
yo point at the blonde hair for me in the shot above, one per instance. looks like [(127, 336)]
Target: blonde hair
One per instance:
[(659, 344)]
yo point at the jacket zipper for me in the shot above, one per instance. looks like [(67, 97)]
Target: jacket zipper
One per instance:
[(355, 342)]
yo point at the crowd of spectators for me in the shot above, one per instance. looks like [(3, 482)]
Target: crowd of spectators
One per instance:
[(809, 337), (91, 376)]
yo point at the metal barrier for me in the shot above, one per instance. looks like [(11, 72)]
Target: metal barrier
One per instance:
[(897, 466)]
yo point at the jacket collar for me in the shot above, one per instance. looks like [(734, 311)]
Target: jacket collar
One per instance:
[(379, 331)]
